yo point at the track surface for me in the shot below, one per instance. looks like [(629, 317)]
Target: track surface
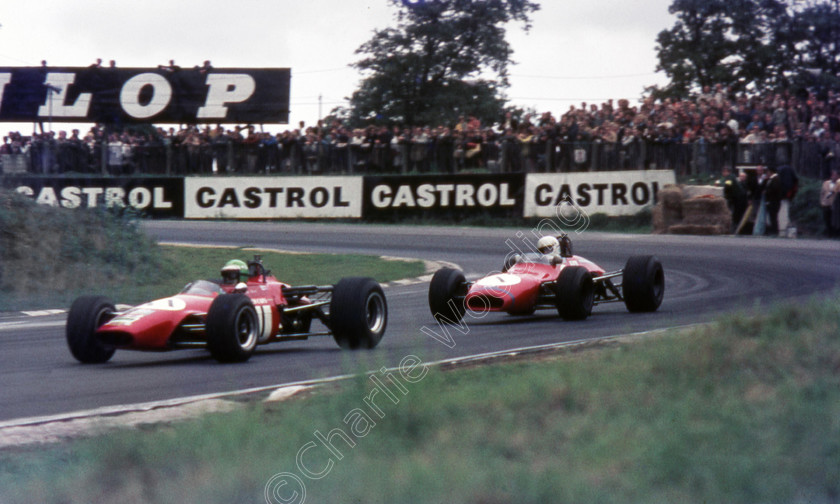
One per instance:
[(704, 277)]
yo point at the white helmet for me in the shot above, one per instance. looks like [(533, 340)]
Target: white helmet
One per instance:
[(548, 245)]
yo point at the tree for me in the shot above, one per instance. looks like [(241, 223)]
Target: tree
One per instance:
[(758, 45), (717, 41), (812, 36), (444, 58)]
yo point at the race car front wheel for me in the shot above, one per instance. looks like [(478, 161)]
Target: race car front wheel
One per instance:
[(86, 315), (643, 284), (575, 293), (446, 295), (358, 313), (232, 328)]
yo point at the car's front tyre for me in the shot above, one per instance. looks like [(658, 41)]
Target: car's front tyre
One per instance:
[(574, 293), (86, 315), (643, 284), (358, 313), (232, 328), (446, 295)]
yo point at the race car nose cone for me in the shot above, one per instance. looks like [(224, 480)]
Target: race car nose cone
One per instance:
[(484, 302)]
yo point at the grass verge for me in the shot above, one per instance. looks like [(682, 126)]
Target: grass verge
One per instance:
[(744, 410), (49, 256), (181, 265), (191, 263)]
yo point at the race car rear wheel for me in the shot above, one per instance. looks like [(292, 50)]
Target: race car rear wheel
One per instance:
[(446, 295), (574, 293), (358, 313), (643, 284), (86, 315), (232, 328)]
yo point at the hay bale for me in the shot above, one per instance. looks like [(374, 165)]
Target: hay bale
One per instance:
[(707, 212), (694, 191), (658, 220), (668, 209), (671, 198)]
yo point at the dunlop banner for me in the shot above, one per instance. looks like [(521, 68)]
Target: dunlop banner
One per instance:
[(144, 95)]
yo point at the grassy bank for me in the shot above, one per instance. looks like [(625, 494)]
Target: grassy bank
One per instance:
[(180, 265), (743, 411), (49, 256)]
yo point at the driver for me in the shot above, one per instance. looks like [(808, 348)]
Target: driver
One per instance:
[(549, 246), (233, 271)]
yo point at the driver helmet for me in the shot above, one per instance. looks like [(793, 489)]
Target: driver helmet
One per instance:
[(233, 270), (548, 245)]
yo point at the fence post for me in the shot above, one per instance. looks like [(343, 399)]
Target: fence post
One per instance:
[(168, 156), (231, 166), (103, 157)]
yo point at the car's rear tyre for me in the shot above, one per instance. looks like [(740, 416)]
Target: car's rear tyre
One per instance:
[(232, 328), (446, 295), (643, 284), (358, 313), (574, 293), (86, 315)]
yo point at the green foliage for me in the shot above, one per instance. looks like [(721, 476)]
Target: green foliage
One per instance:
[(55, 253), (756, 45), (427, 69), (49, 256)]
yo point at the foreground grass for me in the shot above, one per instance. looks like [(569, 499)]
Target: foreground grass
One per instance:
[(746, 410)]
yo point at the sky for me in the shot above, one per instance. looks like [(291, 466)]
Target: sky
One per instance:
[(576, 50)]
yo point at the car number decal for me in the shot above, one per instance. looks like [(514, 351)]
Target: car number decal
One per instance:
[(167, 304), (266, 322), (130, 316), (502, 280)]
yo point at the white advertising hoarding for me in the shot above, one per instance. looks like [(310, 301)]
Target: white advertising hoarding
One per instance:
[(612, 193), (272, 197)]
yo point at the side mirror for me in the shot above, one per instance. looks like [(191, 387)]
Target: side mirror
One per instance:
[(565, 246)]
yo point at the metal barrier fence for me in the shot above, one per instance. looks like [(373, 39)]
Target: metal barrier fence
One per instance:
[(809, 159)]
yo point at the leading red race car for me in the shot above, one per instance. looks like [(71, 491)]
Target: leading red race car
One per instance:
[(230, 317), (553, 278)]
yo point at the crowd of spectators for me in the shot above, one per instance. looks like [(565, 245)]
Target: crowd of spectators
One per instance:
[(715, 117)]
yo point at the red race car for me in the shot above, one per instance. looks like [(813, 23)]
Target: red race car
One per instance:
[(553, 278), (248, 307)]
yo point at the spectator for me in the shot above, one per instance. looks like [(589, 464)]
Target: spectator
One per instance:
[(789, 183), (757, 185), (773, 195), (830, 203), (735, 193)]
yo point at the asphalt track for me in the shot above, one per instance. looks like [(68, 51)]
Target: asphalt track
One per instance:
[(704, 277)]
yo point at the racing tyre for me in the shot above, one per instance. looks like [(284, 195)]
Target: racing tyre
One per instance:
[(446, 295), (574, 293), (232, 328), (86, 315), (643, 284), (358, 313)]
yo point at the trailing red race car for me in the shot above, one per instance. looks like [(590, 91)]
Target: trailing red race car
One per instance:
[(553, 278), (248, 307)]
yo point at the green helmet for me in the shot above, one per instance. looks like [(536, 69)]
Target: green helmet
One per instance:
[(233, 270)]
